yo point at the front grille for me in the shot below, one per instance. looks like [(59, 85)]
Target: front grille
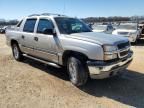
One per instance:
[(124, 53), (123, 45)]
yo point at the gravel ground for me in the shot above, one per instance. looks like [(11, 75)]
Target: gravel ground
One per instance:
[(31, 84)]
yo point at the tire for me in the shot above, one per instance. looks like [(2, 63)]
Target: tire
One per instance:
[(135, 43), (77, 71), (17, 54)]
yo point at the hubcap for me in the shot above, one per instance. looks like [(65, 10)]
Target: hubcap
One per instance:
[(16, 52), (72, 70)]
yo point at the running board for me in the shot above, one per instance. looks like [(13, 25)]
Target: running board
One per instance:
[(42, 61)]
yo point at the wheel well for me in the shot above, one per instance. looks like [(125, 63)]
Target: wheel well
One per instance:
[(13, 41), (78, 55)]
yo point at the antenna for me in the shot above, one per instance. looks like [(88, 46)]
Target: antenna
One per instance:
[(64, 7)]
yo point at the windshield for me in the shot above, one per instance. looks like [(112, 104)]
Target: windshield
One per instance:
[(100, 27), (129, 27), (71, 25)]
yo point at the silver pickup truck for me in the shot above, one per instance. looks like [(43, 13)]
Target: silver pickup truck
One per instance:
[(59, 40)]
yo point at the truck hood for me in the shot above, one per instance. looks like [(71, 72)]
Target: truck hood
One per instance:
[(99, 38), (98, 30)]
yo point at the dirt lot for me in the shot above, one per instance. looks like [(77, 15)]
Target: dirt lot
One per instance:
[(30, 84)]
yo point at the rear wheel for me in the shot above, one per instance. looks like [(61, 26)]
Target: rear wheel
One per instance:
[(77, 71), (17, 54)]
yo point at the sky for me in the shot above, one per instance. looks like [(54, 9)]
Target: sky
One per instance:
[(16, 9)]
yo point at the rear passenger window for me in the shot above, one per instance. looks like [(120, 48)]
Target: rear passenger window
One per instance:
[(29, 25), (44, 24)]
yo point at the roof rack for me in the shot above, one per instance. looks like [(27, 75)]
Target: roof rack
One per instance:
[(46, 14)]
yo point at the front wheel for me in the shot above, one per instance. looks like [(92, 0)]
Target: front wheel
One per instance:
[(136, 40), (17, 54), (77, 71)]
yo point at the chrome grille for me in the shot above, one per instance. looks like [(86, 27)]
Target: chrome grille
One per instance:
[(123, 49), (124, 53)]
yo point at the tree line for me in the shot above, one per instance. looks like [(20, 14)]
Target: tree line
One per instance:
[(113, 19), (106, 19), (10, 22), (3, 22)]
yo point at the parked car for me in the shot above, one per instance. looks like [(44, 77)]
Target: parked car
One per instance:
[(0, 29), (3, 29), (62, 41), (129, 30), (141, 28), (103, 28)]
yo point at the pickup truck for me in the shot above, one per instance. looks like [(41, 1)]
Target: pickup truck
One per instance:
[(62, 41), (129, 30)]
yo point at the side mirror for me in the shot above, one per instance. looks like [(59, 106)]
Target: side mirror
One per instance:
[(49, 31), (90, 26)]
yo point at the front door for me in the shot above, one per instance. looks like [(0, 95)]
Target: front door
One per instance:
[(45, 46)]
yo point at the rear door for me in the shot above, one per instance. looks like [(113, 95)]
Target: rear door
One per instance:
[(27, 36), (45, 45)]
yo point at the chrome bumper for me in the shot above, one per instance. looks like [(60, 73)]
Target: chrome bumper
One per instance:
[(104, 70)]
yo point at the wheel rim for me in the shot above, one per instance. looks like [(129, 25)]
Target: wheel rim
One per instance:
[(72, 70), (16, 52)]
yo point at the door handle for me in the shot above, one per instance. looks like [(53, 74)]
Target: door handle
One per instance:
[(36, 38), (23, 37)]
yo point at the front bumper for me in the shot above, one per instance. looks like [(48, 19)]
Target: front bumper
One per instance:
[(103, 70)]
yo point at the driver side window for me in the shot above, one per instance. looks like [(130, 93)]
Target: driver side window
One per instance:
[(44, 24)]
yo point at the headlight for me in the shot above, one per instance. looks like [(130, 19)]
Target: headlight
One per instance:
[(109, 48), (110, 52), (110, 56), (133, 33)]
